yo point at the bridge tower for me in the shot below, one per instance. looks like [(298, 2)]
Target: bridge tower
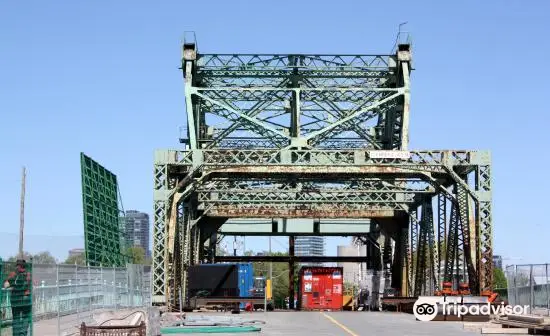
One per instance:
[(321, 137)]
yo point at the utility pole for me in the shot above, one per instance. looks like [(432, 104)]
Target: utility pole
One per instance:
[(360, 268), (22, 214), (270, 263)]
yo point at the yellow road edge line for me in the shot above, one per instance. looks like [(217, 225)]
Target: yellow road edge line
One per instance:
[(331, 319)]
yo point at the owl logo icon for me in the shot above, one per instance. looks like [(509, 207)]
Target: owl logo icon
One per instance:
[(425, 309)]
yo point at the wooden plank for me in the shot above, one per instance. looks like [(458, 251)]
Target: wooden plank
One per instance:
[(507, 331)]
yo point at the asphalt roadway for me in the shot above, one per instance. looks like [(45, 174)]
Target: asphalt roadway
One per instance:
[(347, 324)]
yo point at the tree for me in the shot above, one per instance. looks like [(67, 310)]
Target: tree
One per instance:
[(279, 281), (521, 279), (220, 251), (249, 253), (499, 279), (350, 288), (43, 257), (137, 255), (77, 259), (26, 255)]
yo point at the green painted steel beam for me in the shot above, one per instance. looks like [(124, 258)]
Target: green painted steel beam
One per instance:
[(103, 236), (250, 89), (340, 229)]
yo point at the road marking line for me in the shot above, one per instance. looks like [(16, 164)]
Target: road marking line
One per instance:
[(339, 324)]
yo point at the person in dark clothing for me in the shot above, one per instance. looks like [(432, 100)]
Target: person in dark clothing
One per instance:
[(20, 284)]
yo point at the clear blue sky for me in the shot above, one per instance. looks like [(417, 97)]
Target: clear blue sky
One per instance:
[(102, 77)]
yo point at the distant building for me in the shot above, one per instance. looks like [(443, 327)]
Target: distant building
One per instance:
[(309, 246), (136, 227), (76, 252), (351, 271), (497, 261)]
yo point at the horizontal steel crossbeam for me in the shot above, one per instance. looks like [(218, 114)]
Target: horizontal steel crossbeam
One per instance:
[(284, 61), (268, 157), (303, 259)]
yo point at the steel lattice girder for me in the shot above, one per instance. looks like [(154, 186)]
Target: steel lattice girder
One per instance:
[(426, 251), (430, 166), (438, 160), (237, 183), (312, 101)]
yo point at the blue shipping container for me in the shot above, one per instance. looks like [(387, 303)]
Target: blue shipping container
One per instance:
[(246, 281)]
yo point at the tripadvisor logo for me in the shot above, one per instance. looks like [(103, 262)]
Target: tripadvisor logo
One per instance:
[(427, 308)]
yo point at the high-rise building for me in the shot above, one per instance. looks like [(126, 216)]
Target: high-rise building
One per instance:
[(352, 271), (309, 246), (136, 227), (497, 261)]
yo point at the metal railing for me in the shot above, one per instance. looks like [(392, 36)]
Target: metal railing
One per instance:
[(529, 285), (64, 296)]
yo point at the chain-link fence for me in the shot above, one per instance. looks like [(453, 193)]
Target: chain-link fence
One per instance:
[(64, 296), (529, 285)]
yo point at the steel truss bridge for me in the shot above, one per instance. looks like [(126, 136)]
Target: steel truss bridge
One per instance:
[(323, 137)]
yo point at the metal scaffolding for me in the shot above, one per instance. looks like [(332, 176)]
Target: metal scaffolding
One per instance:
[(104, 237), (320, 137)]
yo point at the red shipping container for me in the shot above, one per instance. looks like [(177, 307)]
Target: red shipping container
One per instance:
[(320, 288)]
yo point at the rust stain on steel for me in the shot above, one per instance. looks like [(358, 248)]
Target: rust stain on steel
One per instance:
[(314, 169), (270, 212)]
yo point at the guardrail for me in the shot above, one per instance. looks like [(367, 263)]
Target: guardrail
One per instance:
[(68, 295)]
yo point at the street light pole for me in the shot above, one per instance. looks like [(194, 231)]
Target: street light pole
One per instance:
[(360, 268), (270, 263)]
